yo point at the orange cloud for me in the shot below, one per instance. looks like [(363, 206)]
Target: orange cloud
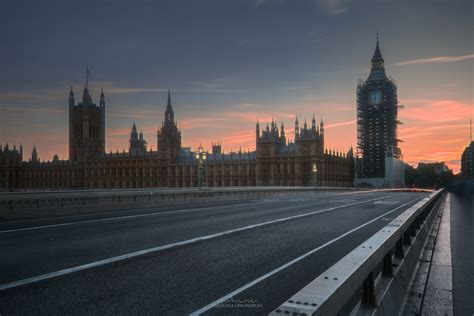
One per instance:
[(435, 110)]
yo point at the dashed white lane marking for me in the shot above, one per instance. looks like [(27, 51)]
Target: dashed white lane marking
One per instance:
[(386, 202), (46, 276), (112, 218), (286, 265)]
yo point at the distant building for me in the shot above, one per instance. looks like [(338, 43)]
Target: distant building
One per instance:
[(10, 162), (86, 126), (137, 142), (276, 161), (467, 162), (379, 163)]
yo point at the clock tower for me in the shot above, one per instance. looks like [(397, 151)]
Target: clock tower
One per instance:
[(377, 111)]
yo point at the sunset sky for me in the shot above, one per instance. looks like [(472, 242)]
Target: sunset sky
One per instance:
[(229, 62)]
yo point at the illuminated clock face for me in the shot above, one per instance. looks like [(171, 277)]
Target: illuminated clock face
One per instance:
[(375, 97)]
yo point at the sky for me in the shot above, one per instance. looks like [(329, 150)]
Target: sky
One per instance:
[(229, 62)]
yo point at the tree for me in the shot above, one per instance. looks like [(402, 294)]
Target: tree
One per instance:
[(428, 175)]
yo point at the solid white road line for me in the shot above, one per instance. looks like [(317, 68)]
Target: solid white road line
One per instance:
[(286, 265), (113, 218), (46, 276)]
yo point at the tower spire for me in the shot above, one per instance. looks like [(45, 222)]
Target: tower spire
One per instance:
[(377, 59), (71, 97), (169, 99), (169, 114), (87, 77), (102, 98)]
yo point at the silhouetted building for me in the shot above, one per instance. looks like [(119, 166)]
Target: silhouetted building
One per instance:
[(216, 148), (377, 109), (11, 161), (86, 126), (467, 162), (276, 161), (137, 142), (169, 136)]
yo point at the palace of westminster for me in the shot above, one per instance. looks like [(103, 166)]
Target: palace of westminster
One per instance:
[(275, 162)]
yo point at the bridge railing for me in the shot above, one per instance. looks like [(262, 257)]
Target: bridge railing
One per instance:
[(55, 199), (372, 278)]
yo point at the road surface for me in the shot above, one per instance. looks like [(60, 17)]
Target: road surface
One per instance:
[(179, 260)]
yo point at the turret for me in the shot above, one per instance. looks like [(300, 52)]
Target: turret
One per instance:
[(134, 134), (321, 127), (34, 155), (297, 128), (257, 130), (282, 131), (102, 98), (313, 123), (217, 148), (71, 98)]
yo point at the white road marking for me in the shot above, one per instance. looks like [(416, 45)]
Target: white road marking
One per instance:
[(114, 218), (386, 202), (46, 276), (254, 199), (74, 216), (286, 265)]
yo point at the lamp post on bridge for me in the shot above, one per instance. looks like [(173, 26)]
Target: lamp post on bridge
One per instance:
[(314, 172), (201, 157)]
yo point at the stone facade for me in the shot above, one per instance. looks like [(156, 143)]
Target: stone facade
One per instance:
[(467, 162), (275, 162)]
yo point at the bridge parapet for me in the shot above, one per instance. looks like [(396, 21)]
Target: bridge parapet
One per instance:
[(58, 199), (372, 278)]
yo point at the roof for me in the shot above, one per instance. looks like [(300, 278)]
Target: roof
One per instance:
[(377, 54)]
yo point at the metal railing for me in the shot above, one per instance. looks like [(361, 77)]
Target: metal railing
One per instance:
[(361, 280)]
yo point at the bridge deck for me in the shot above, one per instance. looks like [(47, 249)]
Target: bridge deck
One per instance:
[(186, 259)]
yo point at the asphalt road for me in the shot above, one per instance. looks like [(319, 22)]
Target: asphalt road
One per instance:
[(192, 258)]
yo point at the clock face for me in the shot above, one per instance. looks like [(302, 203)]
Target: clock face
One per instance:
[(375, 97)]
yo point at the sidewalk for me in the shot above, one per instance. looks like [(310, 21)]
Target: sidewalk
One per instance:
[(462, 246), (438, 296)]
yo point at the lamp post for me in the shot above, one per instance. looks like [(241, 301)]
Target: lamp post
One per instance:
[(201, 157), (314, 171)]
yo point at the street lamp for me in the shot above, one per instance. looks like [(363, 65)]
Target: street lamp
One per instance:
[(201, 157), (314, 171)]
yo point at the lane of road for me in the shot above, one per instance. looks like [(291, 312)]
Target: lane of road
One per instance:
[(51, 248), (184, 279), (51, 220)]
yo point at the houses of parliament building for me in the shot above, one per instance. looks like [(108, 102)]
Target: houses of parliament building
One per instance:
[(275, 162)]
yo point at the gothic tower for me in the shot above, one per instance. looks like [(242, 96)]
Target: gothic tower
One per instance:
[(137, 142), (86, 126), (377, 110), (169, 136)]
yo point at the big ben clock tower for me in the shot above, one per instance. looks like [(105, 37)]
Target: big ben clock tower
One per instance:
[(377, 110)]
